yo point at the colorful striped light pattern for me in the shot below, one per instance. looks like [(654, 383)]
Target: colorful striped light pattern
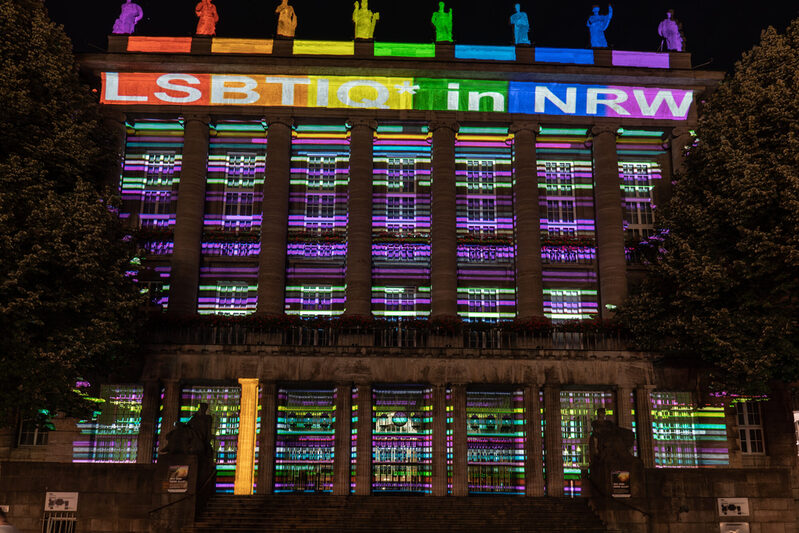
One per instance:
[(402, 439), (641, 155), (686, 435), (305, 440), (577, 410), (318, 203), (484, 196), (495, 442), (111, 435), (401, 221), (223, 405)]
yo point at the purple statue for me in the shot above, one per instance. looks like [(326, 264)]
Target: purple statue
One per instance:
[(130, 15), (669, 29)]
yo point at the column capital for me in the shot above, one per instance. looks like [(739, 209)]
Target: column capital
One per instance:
[(525, 125), (434, 125), (362, 122), (113, 114), (601, 129), (286, 120), (679, 131), (195, 117), (248, 381)]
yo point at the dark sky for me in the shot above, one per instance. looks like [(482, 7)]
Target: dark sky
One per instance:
[(715, 29)]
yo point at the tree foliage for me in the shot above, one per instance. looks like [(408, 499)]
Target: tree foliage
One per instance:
[(67, 308), (724, 291)]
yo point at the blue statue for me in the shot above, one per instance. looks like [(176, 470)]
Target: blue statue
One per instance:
[(597, 24), (521, 26)]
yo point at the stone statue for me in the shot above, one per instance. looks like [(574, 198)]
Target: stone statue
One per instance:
[(610, 450), (130, 15), (443, 24), (286, 20), (193, 437), (669, 29), (206, 11), (365, 21), (521, 26), (597, 24)]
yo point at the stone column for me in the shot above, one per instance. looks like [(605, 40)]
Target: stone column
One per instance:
[(439, 440), (114, 122), (624, 411), (266, 442), (359, 224), (533, 444), (643, 425), (363, 468), (274, 225), (529, 272), (444, 243), (733, 435), (554, 440), (679, 139), (170, 413), (151, 398), (778, 429), (460, 448), (343, 440), (185, 275), (609, 221), (245, 450)]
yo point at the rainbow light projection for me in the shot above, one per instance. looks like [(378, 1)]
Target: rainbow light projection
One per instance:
[(686, 435), (402, 441), (354, 439), (450, 408), (149, 188), (223, 405), (401, 221), (495, 441), (305, 440), (640, 155), (317, 220), (577, 411), (112, 433), (486, 274), (566, 203)]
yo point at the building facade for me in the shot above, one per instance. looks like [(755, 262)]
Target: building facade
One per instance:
[(388, 267)]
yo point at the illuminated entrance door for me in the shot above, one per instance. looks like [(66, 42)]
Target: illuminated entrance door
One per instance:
[(402, 439)]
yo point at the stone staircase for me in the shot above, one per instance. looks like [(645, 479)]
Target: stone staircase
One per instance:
[(407, 514)]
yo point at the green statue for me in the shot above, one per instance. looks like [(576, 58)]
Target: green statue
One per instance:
[(443, 23), (365, 21)]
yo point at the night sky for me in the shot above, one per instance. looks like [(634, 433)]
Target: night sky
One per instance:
[(715, 30)]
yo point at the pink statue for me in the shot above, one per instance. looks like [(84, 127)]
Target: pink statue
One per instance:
[(130, 15), (206, 11), (669, 29)]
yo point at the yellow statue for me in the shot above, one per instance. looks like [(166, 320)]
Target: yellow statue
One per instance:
[(365, 21), (286, 20)]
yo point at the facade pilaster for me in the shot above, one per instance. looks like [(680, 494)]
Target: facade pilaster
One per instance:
[(460, 448), (266, 443), (151, 398), (170, 412), (363, 468), (114, 122), (274, 224), (359, 224), (679, 139), (609, 221), (439, 440), (343, 440), (444, 243), (624, 408), (185, 274), (643, 425), (245, 451), (553, 438), (529, 271), (533, 444)]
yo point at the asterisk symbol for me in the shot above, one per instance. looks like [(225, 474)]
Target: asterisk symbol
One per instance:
[(406, 87)]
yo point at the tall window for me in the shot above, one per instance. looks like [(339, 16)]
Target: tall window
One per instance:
[(480, 176), (400, 299), (559, 178), (561, 212), (240, 170), (750, 427), (637, 185), (159, 168), (481, 215), (232, 297), (401, 197), (322, 173), (157, 202), (483, 300), (317, 298), (32, 433), (565, 303), (401, 174)]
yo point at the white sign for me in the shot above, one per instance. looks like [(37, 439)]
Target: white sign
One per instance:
[(61, 501), (736, 527), (733, 506)]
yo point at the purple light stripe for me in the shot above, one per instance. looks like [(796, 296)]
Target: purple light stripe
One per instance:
[(402, 271), (622, 58)]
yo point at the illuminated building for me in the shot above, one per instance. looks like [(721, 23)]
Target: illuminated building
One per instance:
[(401, 222)]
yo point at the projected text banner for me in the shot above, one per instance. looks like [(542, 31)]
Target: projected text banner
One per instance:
[(396, 93)]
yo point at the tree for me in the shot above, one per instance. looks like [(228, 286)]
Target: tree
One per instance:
[(67, 308), (724, 289)]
